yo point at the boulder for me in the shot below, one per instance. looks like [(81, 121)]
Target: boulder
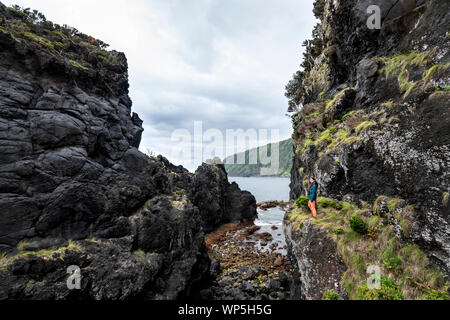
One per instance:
[(383, 130)]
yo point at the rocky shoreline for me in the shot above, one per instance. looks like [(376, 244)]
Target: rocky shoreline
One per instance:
[(246, 265)]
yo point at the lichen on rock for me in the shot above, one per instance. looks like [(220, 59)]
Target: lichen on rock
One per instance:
[(381, 126), (71, 169)]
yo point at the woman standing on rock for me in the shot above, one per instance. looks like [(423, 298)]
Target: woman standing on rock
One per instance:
[(313, 197)]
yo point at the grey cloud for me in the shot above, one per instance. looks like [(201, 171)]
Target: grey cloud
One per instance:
[(224, 62)]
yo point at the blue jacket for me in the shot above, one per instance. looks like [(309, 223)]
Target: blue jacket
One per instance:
[(313, 192)]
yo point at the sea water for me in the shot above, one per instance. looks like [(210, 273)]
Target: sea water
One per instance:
[(266, 189)]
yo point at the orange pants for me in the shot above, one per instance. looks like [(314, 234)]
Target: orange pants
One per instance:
[(312, 207)]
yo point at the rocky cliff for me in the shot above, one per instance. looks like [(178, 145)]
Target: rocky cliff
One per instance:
[(75, 190), (372, 120), (342, 253), (219, 202)]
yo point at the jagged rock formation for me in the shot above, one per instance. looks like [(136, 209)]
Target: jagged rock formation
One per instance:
[(375, 119), (316, 262), (219, 202), (335, 255), (70, 169), (162, 258)]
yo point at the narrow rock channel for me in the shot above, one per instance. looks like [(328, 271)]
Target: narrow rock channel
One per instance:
[(249, 259)]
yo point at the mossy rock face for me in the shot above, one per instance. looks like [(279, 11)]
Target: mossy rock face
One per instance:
[(401, 263), (341, 103), (359, 225), (400, 80), (72, 53), (398, 213), (131, 271)]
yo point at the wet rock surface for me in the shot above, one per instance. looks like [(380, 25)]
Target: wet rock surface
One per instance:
[(265, 205), (241, 270)]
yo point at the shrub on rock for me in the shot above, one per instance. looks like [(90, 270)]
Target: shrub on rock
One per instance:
[(301, 202), (359, 225), (328, 203)]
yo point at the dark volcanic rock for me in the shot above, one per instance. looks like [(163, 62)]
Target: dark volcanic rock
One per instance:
[(214, 269), (247, 273), (219, 201), (248, 287), (316, 263), (110, 270), (396, 142), (273, 284), (70, 168)]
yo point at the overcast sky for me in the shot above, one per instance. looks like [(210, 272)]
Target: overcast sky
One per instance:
[(222, 62)]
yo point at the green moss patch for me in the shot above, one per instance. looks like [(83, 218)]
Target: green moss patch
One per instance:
[(54, 253), (400, 64), (389, 290), (331, 295)]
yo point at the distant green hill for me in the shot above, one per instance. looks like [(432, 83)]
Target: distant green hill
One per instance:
[(253, 170)]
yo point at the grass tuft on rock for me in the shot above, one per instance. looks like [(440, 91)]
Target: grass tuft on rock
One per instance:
[(336, 98), (363, 126), (49, 254), (78, 65)]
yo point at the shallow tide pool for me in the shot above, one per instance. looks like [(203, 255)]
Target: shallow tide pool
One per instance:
[(266, 189)]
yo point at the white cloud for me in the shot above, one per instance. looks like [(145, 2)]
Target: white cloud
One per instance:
[(223, 62)]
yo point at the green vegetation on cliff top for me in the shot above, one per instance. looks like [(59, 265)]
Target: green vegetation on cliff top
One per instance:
[(253, 170)]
